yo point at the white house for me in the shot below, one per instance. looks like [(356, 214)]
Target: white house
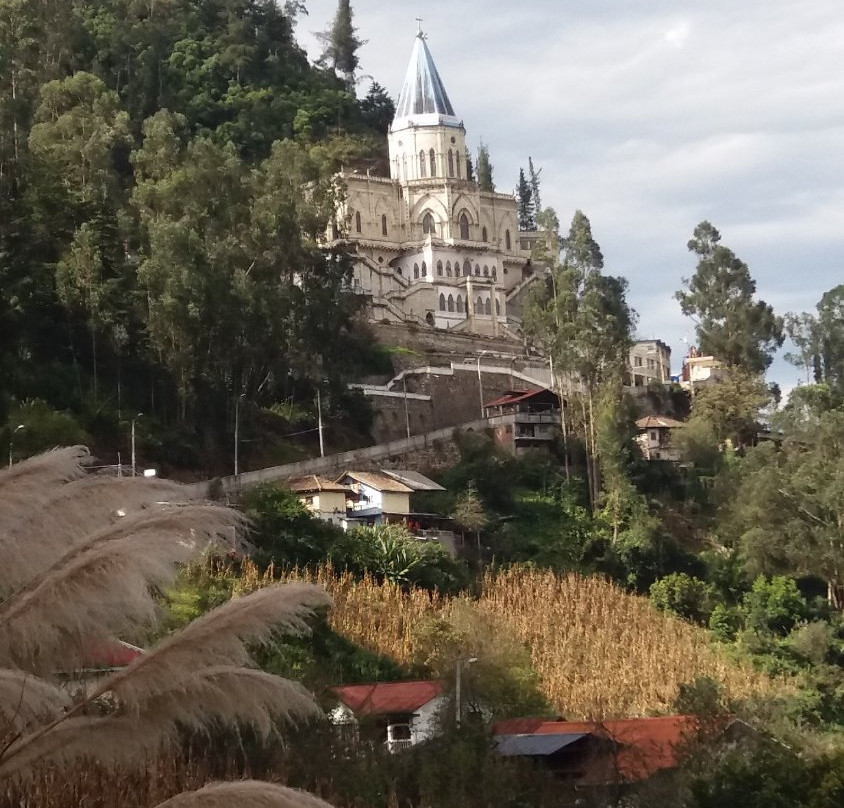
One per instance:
[(657, 437), (405, 713), (376, 497), (325, 499)]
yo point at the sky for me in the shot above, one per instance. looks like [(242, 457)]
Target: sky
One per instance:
[(650, 117)]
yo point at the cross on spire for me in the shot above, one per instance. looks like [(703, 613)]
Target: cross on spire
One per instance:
[(419, 23)]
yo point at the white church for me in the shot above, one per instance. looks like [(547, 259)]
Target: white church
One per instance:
[(432, 248)]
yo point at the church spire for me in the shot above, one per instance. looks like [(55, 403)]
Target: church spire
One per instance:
[(423, 100)]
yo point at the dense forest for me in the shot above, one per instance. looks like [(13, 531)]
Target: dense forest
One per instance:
[(157, 250)]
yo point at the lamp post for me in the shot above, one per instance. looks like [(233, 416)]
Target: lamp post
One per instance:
[(18, 428), (133, 441), (458, 686), (237, 433)]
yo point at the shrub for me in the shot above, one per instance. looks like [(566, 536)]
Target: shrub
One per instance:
[(683, 595)]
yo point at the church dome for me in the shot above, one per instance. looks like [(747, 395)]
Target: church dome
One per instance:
[(423, 100)]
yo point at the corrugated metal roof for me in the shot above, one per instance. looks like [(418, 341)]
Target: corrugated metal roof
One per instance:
[(535, 745), (658, 422), (377, 480), (413, 479), (383, 698), (315, 483)]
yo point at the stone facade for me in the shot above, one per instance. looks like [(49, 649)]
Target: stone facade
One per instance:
[(432, 247)]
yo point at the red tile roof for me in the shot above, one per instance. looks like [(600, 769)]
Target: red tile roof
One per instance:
[(116, 654), (388, 697), (644, 746), (658, 422), (515, 396)]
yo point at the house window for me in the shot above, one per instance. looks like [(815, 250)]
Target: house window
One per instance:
[(439, 268), (448, 269), (384, 224), (450, 163), (424, 272), (507, 242), (654, 435), (442, 302), (484, 234), (460, 304), (651, 364), (357, 221), (422, 167), (467, 267), (433, 160), (486, 271), (416, 272), (464, 226), (428, 225), (637, 361), (451, 302), (477, 269)]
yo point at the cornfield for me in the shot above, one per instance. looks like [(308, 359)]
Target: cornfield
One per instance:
[(600, 652)]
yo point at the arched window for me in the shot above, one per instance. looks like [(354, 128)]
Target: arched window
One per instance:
[(479, 306), (442, 302), (487, 306), (424, 272), (467, 267), (460, 304), (497, 306), (477, 269), (448, 269), (451, 302), (428, 224), (384, 224), (459, 163), (422, 167), (398, 271), (493, 273), (463, 221), (416, 272), (450, 163), (439, 268), (486, 271), (507, 243), (483, 235), (433, 159), (357, 221)]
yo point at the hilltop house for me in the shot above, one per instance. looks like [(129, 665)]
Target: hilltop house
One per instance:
[(525, 420), (403, 713), (382, 497), (650, 362), (324, 498), (657, 438)]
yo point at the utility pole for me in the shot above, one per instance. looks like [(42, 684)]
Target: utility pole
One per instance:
[(458, 687), (12, 441), (133, 441), (237, 434), (319, 422)]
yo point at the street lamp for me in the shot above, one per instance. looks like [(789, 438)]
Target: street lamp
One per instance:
[(133, 441), (18, 428), (237, 432), (458, 686)]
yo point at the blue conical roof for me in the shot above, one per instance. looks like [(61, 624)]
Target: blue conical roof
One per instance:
[(423, 95)]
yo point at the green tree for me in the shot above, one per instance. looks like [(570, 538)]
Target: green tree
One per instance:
[(342, 44), (484, 169), (819, 339), (789, 506), (533, 179), (469, 512), (378, 109), (731, 324), (525, 203), (683, 595)]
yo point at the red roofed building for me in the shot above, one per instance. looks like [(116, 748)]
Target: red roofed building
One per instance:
[(524, 420), (628, 750), (406, 711)]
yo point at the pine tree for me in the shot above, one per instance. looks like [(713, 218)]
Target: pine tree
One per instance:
[(533, 177), (526, 203), (341, 44), (484, 169)]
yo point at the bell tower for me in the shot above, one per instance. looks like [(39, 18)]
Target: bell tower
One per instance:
[(427, 140)]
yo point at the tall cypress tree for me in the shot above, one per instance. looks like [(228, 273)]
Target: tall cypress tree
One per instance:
[(533, 177), (525, 202), (341, 44), (484, 169)]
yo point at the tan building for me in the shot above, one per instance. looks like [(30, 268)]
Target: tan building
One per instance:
[(657, 438), (650, 363), (324, 498), (433, 248)]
